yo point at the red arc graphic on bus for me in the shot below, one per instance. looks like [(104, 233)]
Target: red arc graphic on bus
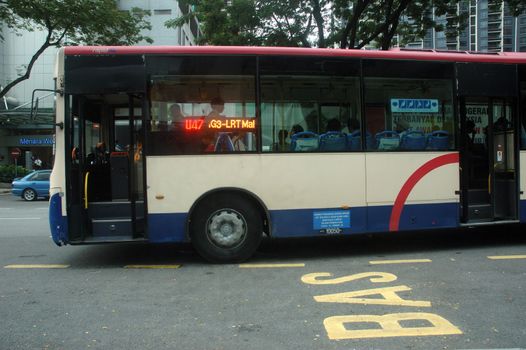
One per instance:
[(408, 186)]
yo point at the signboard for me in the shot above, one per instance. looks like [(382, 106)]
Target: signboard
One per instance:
[(35, 141), (414, 105), (15, 153), (219, 124), (331, 219), (479, 115)]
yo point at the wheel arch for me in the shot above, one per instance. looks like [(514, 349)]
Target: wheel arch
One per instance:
[(248, 195)]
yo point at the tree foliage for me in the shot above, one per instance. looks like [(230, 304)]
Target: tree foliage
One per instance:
[(324, 23), (72, 22)]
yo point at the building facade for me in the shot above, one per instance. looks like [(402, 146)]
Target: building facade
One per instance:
[(32, 133), (490, 28)]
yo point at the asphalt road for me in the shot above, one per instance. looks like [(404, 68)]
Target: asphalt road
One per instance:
[(441, 290)]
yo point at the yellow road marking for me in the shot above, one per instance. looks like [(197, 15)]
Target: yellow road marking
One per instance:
[(408, 261), (506, 257), (152, 266), (267, 266), (37, 266)]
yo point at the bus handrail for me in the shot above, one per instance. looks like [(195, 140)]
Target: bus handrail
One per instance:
[(86, 190)]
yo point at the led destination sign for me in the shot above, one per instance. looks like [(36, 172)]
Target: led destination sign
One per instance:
[(228, 124), (224, 124)]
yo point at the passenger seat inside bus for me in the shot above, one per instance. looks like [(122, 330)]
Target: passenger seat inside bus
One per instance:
[(304, 141), (355, 140), (413, 140), (387, 140), (438, 140), (333, 141)]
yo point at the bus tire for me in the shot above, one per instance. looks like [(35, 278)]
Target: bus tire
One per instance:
[(226, 228)]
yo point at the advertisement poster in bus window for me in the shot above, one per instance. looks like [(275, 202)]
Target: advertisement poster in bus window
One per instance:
[(426, 115), (479, 115)]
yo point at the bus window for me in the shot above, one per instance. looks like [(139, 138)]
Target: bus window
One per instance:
[(196, 114), (202, 105), (297, 109), (409, 105), (408, 113)]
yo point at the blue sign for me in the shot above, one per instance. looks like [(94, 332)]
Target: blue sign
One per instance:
[(414, 105), (29, 141), (331, 219)]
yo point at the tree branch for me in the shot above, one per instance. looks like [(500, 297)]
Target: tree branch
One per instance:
[(316, 12), (29, 66), (352, 25), (403, 5)]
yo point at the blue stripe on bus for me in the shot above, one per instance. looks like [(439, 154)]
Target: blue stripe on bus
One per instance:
[(57, 222), (163, 228), (297, 223), (522, 210), (426, 216)]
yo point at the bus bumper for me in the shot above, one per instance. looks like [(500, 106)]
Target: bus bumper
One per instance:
[(57, 222)]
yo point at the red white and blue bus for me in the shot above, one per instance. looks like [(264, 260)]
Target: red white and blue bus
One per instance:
[(222, 145)]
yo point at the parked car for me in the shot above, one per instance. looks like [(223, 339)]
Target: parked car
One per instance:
[(32, 186)]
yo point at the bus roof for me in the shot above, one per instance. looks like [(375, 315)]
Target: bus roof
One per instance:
[(402, 54)]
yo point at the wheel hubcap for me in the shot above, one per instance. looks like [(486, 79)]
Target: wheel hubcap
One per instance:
[(29, 195), (226, 228)]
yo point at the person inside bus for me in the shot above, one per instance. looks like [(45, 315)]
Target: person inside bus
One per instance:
[(296, 129), (101, 155), (501, 124), (282, 145), (353, 124), (177, 116), (218, 106), (401, 126), (334, 125)]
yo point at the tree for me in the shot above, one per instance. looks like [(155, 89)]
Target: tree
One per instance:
[(72, 22), (377, 22), (307, 23), (325, 23), (249, 22)]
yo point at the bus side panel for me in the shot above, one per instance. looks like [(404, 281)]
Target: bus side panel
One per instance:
[(301, 222), (522, 204), (163, 228), (297, 189), (414, 216), (428, 179)]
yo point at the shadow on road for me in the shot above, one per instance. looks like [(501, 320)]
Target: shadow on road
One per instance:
[(272, 250)]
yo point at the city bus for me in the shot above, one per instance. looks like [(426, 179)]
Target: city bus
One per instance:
[(220, 146)]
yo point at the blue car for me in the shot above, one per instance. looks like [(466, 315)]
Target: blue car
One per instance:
[(32, 186)]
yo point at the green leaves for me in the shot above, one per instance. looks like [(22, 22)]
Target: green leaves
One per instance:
[(326, 23), (73, 22)]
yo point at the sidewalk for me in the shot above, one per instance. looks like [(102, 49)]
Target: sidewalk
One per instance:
[(5, 188)]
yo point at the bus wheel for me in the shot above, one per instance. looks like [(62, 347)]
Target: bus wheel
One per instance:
[(226, 228)]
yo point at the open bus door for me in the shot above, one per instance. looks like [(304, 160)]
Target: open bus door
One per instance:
[(106, 186), (489, 163), (488, 159)]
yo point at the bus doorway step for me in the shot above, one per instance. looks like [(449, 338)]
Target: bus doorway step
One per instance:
[(111, 239), (480, 212)]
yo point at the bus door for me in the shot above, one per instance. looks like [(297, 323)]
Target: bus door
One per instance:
[(106, 197), (488, 159)]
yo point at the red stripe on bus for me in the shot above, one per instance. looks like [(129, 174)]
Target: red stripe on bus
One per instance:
[(408, 186), (451, 56)]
